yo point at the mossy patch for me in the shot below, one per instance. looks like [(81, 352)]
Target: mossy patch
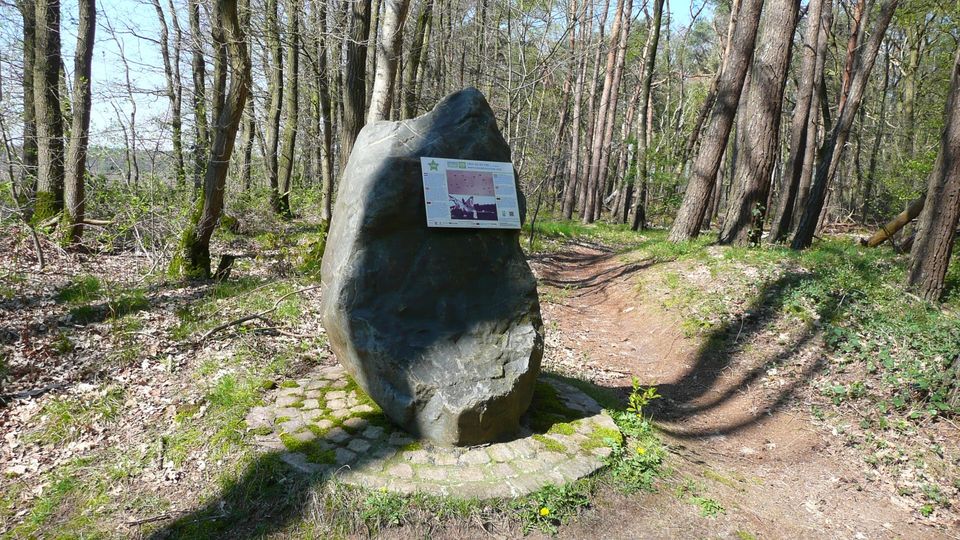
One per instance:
[(552, 445), (289, 384), (602, 437), (315, 452), (547, 409), (562, 429), (411, 446)]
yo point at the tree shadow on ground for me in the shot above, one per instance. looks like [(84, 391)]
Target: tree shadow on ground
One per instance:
[(704, 388), (278, 488)]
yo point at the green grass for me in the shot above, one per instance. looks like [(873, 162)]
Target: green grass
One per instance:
[(548, 232), (230, 299), (62, 419)]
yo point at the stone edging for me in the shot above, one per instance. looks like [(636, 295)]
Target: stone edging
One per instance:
[(324, 424)]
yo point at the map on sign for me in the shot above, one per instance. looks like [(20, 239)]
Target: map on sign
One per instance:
[(470, 194)]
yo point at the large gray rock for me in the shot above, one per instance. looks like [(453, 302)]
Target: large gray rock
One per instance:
[(441, 327)]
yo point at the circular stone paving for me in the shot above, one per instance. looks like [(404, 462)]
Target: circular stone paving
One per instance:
[(324, 424)]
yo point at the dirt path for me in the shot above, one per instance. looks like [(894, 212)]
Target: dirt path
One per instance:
[(734, 414)]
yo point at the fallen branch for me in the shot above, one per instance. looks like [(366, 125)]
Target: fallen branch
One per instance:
[(41, 261), (260, 315), (7, 398), (894, 225), (50, 222), (98, 222), (152, 519)]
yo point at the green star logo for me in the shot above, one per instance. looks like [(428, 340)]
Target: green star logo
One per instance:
[(434, 166)]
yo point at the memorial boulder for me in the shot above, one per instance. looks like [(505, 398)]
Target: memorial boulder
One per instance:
[(441, 327)]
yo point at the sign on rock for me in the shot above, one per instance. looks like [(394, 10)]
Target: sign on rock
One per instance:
[(470, 194), (440, 326)]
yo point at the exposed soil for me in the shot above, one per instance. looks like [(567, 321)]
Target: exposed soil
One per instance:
[(735, 414)]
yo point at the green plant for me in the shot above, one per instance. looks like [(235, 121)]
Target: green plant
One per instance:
[(553, 506), (640, 397), (383, 509), (708, 507)]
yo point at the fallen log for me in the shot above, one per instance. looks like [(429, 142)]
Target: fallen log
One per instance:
[(894, 225)]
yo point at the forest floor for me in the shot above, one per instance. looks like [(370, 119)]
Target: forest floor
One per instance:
[(737, 406), (123, 397)]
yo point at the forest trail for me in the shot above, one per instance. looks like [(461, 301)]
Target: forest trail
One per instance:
[(733, 414)]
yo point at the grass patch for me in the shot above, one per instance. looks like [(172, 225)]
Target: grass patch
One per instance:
[(62, 419), (81, 289), (549, 234), (314, 451)]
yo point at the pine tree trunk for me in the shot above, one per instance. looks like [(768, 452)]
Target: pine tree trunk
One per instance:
[(607, 95), (291, 109), (703, 173), (193, 260), (76, 164), (639, 220), (758, 136), (388, 52), (832, 149), (820, 16), (573, 166), (46, 79), (591, 112), (877, 139), (937, 224)]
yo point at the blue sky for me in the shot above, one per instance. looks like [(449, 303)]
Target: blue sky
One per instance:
[(134, 23)]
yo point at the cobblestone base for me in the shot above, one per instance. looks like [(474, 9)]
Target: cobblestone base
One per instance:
[(324, 424)]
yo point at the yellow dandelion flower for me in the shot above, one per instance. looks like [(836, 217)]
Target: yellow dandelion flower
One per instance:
[(641, 450), (544, 511)]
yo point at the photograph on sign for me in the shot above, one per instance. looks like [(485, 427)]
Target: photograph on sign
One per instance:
[(470, 194)]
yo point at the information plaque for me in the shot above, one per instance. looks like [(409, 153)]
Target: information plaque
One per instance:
[(470, 194)]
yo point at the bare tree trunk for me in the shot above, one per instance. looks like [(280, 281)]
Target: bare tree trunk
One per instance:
[(877, 138), (171, 70), (28, 175), (201, 135), (591, 109), (376, 8), (639, 220), (820, 15), (409, 95), (856, 25), (274, 105), (607, 97), (354, 91), (46, 78), (291, 108), (571, 184), (758, 136), (703, 173), (193, 261), (937, 225), (323, 94), (832, 149), (76, 164), (388, 51)]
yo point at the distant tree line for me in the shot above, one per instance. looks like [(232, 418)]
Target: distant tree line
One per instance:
[(768, 119)]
